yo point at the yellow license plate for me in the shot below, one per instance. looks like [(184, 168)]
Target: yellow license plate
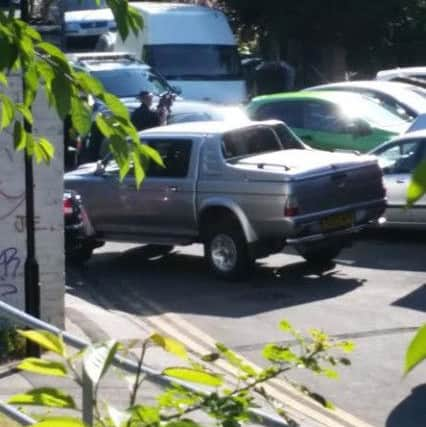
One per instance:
[(336, 222)]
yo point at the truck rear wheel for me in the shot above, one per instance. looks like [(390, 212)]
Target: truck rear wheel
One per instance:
[(227, 253)]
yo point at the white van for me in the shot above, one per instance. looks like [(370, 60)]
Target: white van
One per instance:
[(192, 47)]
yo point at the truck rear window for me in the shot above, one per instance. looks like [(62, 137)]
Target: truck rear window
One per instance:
[(248, 142)]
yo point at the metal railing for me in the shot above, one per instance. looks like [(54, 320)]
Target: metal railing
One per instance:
[(21, 318)]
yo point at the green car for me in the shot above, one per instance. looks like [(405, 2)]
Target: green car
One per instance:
[(331, 120)]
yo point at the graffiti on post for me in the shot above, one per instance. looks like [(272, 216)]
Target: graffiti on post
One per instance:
[(10, 262), (13, 202)]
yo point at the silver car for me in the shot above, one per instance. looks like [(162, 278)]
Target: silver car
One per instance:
[(398, 158)]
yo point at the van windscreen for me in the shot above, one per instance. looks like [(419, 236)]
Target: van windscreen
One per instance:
[(194, 61)]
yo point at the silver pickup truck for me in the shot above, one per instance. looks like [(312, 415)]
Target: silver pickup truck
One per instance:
[(244, 190)]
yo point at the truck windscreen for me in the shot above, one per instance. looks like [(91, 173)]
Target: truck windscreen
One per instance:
[(194, 61)]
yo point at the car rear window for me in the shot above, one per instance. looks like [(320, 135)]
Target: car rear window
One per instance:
[(290, 112)]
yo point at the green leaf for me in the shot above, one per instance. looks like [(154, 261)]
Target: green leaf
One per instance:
[(135, 20), (19, 136), (3, 79), (45, 70), (151, 153), (170, 345), (210, 358), (182, 423), (286, 326), (330, 373), (118, 418), (417, 187), (346, 346), (116, 106), (235, 360), (104, 126), (138, 169), (121, 152), (416, 351), (45, 339), (60, 422), (55, 53), (88, 83), (61, 90), (119, 10), (345, 361), (194, 376), (32, 33), (43, 367), (29, 143), (278, 354), (149, 415), (50, 397), (98, 359), (7, 111), (81, 115), (43, 151), (31, 80), (25, 112)]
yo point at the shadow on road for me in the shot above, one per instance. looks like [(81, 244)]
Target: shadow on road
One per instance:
[(387, 250), (411, 412), (183, 284), (415, 300)]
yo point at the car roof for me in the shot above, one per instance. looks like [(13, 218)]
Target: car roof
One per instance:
[(157, 7), (375, 85), (106, 60), (190, 106), (401, 71), (332, 96), (403, 137), (201, 128)]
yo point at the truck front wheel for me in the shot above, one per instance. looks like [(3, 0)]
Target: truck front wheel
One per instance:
[(227, 253)]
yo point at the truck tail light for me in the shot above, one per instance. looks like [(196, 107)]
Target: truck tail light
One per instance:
[(291, 207), (68, 207)]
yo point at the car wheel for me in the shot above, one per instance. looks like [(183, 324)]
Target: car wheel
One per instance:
[(322, 254), (227, 253)]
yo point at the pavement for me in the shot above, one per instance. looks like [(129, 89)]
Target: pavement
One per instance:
[(93, 321)]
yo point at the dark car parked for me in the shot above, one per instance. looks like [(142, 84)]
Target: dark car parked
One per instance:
[(80, 238)]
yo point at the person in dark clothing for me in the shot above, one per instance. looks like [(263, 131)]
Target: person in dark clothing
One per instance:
[(144, 117)]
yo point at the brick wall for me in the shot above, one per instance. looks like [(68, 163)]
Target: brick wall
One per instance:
[(48, 211)]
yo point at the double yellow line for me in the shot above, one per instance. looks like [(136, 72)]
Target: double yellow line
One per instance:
[(298, 405)]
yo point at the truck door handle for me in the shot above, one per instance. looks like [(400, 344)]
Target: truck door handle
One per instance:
[(172, 188), (400, 181)]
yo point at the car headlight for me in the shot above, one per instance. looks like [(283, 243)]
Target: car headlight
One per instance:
[(72, 27)]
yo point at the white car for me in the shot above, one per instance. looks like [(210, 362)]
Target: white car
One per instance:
[(398, 158), (406, 100), (86, 20)]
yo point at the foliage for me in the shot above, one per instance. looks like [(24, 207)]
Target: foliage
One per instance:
[(228, 405), (12, 345), (45, 68), (416, 351), (392, 31), (417, 186)]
